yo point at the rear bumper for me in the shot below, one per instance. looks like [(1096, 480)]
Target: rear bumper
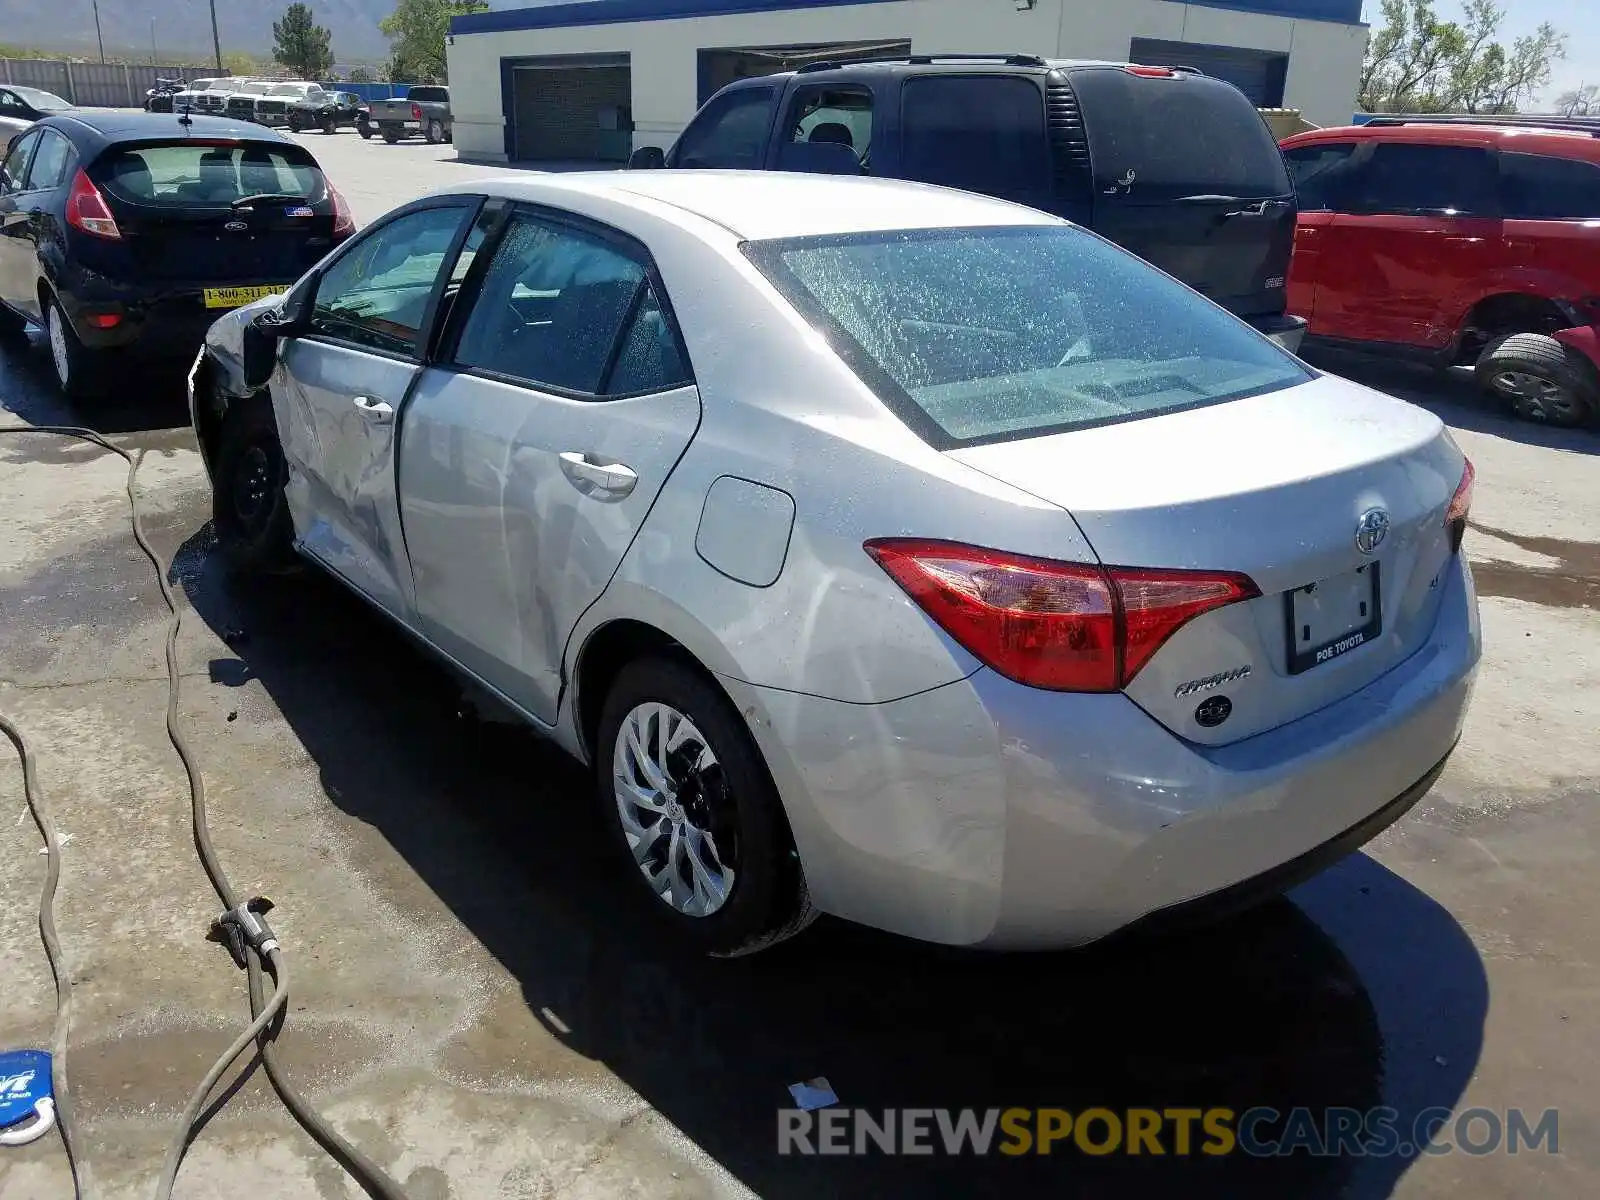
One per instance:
[(1583, 338), (168, 323), (987, 813), (1289, 332)]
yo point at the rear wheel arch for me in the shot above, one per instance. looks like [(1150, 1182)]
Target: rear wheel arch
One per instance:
[(604, 655), (1505, 313)]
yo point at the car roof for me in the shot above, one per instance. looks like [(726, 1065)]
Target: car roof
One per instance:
[(131, 125), (761, 205), (952, 64), (1552, 139)]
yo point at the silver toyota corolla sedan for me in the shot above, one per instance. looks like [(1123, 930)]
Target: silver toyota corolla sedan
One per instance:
[(888, 551)]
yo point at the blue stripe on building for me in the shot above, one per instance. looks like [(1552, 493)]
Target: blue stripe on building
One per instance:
[(612, 12)]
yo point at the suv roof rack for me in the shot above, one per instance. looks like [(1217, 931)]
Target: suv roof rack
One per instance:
[(1589, 125), (922, 60)]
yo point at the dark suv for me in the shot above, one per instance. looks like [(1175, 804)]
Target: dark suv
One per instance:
[(1174, 165)]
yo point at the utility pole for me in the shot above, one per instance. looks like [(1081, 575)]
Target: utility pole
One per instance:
[(153, 55), (100, 41), (216, 42)]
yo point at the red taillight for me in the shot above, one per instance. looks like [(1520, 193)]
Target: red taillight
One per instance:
[(86, 209), (1455, 519), (1152, 72), (416, 112), (103, 320), (1070, 627), (343, 222)]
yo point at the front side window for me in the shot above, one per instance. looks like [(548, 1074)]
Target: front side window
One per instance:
[(376, 294), (566, 310), (1537, 187), (731, 134), (982, 335), (1318, 172), (15, 168), (1416, 180), (49, 166), (209, 173), (981, 133)]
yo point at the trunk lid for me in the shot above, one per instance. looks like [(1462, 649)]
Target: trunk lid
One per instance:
[(1275, 487)]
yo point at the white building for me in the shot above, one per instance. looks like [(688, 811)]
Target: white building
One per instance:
[(593, 79)]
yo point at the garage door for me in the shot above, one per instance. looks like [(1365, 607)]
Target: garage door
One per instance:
[(1259, 74), (572, 113)]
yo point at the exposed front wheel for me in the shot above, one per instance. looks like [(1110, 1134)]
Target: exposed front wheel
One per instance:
[(694, 811), (249, 508), (1541, 378)]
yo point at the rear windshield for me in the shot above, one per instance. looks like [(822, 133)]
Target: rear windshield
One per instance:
[(430, 94), (253, 89), (1158, 140), (195, 172), (982, 335)]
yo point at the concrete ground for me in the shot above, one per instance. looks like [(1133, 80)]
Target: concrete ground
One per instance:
[(475, 1005)]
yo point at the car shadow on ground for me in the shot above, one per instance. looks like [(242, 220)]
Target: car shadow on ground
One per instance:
[(140, 397), (1454, 398), (1269, 1009)]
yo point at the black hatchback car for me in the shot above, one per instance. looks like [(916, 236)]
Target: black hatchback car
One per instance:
[(1174, 165), (132, 231)]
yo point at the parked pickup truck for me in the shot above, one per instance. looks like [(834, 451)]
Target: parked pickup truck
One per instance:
[(425, 110)]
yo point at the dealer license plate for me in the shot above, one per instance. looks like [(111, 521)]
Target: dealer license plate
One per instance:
[(1330, 618), (413, 125), (233, 297)]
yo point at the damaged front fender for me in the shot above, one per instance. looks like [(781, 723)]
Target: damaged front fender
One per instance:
[(217, 378)]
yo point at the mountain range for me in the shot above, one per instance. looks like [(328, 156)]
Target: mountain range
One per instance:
[(183, 27)]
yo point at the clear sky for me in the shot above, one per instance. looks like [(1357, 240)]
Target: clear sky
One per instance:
[(1578, 19)]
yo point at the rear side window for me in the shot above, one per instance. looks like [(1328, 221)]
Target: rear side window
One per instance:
[(980, 133), (49, 166), (566, 310), (207, 173), (1536, 187), (1416, 180), (1318, 172), (982, 335), (730, 134), (1156, 140)]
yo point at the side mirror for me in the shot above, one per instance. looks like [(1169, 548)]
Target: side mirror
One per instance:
[(647, 158), (262, 333)]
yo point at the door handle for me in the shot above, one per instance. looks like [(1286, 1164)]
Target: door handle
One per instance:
[(615, 479), (379, 412)]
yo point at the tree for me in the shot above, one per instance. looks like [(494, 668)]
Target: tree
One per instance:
[(241, 65), (1417, 63), (416, 31), (361, 75), (1581, 101), (302, 45)]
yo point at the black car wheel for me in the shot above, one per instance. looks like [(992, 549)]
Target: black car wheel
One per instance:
[(330, 124), (391, 136), (1542, 379), (296, 122), (697, 822), (364, 128), (78, 369), (435, 132), (249, 509)]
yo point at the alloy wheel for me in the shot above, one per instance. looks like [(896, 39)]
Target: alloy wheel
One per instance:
[(60, 351), (677, 814), (1536, 397)]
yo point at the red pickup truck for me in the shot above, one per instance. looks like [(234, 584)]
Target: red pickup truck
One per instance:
[(1457, 242)]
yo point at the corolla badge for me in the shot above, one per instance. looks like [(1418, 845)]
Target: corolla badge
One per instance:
[(1371, 530)]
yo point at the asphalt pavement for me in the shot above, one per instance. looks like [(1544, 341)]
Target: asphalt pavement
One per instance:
[(476, 1005)]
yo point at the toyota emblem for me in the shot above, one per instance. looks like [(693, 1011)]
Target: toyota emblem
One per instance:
[(1371, 530)]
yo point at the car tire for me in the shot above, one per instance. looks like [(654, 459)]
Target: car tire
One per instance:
[(330, 124), (722, 814), (249, 506), (79, 370), (450, 135), (364, 130), (390, 136), (297, 123), (1541, 378), (434, 134)]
